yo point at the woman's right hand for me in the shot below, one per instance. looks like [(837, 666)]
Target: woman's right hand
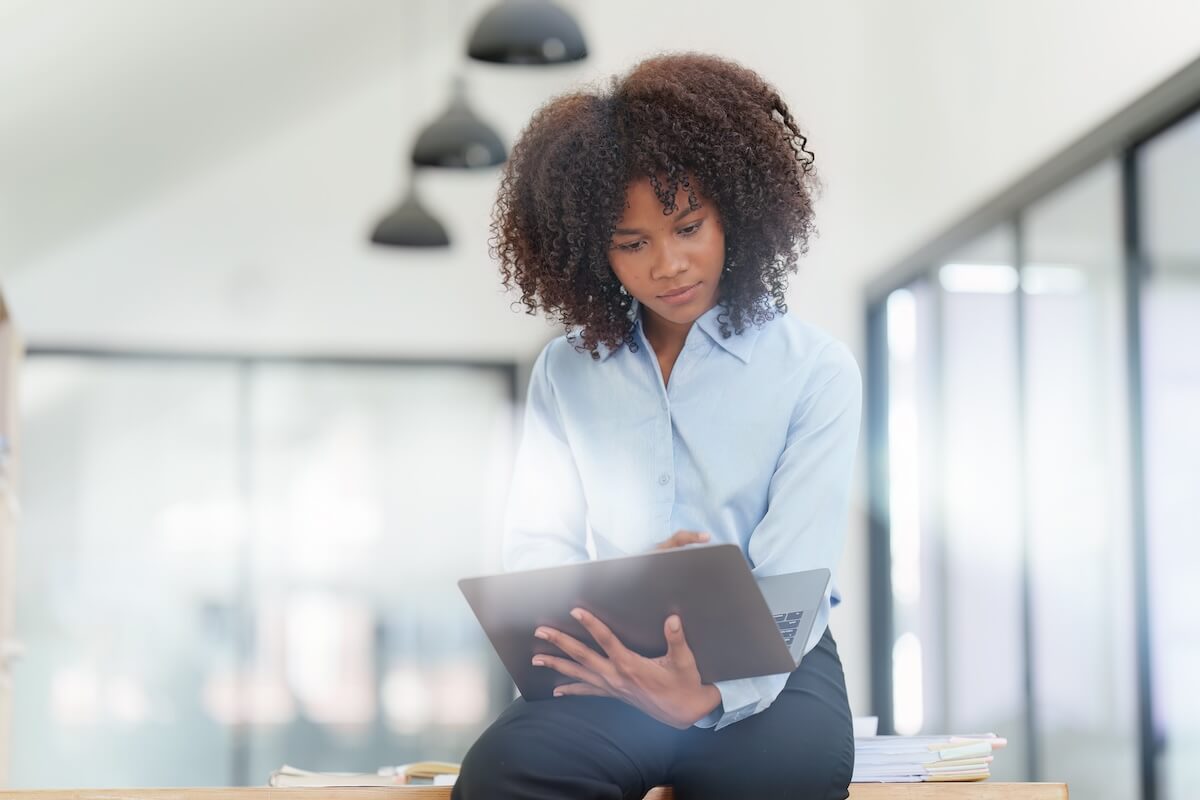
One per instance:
[(682, 539)]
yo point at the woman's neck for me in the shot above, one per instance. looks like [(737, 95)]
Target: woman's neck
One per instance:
[(664, 335)]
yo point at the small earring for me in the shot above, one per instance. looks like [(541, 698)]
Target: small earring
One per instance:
[(623, 290)]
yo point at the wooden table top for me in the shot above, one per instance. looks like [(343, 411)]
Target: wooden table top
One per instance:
[(983, 790)]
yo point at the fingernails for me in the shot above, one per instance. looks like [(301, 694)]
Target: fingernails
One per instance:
[(537, 662), (557, 693), (541, 634), (673, 624), (577, 614)]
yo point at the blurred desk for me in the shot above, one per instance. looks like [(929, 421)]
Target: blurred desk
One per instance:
[(858, 791)]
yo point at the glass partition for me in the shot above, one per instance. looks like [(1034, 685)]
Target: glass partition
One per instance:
[(914, 502), (128, 545), (956, 547), (983, 602), (1037, 395), (1169, 193), (1077, 471), (374, 492), (229, 565)]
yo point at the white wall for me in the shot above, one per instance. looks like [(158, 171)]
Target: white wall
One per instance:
[(918, 110)]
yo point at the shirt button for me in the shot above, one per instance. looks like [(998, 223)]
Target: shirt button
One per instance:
[(664, 479), (664, 405)]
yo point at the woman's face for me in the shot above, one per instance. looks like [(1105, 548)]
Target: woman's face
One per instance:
[(671, 263)]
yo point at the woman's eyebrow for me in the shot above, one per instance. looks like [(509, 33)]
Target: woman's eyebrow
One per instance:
[(632, 231)]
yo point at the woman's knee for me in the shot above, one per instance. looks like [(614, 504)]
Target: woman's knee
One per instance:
[(830, 781), (566, 749), (804, 781), (825, 774), (496, 759)]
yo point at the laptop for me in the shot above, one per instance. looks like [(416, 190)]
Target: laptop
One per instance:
[(737, 626)]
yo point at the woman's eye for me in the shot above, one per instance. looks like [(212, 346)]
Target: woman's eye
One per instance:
[(690, 229), (631, 247)]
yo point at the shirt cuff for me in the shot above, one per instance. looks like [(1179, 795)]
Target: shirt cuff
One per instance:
[(743, 698)]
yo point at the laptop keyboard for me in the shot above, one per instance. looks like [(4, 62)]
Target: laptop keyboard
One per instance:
[(788, 623)]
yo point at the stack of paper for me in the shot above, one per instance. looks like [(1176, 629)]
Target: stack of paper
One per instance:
[(907, 759), (439, 772)]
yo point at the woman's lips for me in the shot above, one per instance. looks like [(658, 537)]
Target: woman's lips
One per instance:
[(681, 296)]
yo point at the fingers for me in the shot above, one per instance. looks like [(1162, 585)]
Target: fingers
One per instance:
[(601, 633), (581, 689), (569, 668), (576, 649), (677, 646), (682, 539)]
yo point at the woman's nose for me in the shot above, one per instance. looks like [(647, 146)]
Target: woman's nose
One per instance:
[(670, 263)]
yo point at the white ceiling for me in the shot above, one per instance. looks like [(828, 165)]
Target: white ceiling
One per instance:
[(106, 104), (202, 175)]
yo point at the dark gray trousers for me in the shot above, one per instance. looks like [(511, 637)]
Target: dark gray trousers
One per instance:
[(597, 748)]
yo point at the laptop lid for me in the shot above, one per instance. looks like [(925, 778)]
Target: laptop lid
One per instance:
[(725, 618)]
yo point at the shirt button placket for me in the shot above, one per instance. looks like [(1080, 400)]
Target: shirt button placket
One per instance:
[(668, 450)]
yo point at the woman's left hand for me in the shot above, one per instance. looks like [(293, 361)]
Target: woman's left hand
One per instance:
[(667, 688)]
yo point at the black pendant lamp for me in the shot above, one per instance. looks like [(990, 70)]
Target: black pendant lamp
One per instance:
[(410, 225), (458, 138), (527, 32)]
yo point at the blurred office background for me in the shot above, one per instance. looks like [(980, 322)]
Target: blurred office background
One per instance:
[(257, 450)]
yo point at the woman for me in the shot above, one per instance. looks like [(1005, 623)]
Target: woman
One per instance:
[(659, 221)]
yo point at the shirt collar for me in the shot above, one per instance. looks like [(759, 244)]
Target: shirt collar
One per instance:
[(740, 345)]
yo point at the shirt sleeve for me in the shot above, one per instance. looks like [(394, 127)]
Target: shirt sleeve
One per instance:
[(807, 507), (545, 522)]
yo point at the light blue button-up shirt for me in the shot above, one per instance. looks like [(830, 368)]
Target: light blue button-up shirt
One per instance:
[(752, 440)]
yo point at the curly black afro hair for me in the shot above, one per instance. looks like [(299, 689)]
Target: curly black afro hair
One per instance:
[(688, 120)]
